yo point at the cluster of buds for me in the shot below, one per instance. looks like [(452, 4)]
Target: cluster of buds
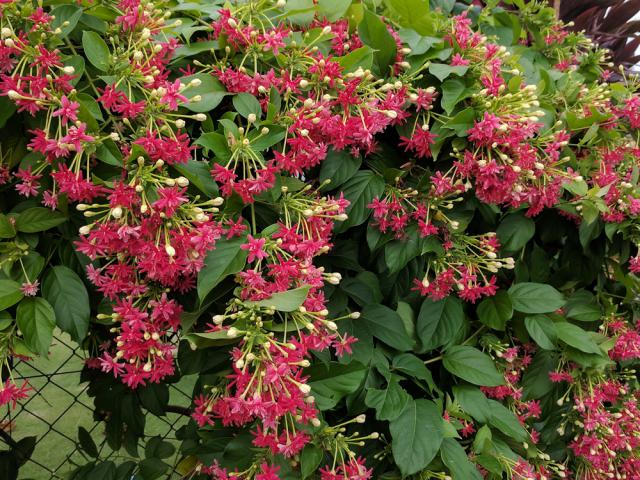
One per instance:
[(467, 267)]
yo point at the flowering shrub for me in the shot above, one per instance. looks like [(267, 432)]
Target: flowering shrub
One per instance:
[(391, 241)]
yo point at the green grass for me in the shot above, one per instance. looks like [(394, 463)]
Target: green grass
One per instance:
[(63, 403)]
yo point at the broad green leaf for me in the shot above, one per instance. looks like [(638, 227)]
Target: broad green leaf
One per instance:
[(217, 143), (329, 384), (535, 381), (535, 298), (495, 311), (453, 92), (156, 447), (310, 460), (10, 293), (515, 231), (36, 320), (386, 325), (441, 70), (582, 306), (288, 301), (506, 421), (412, 14), (462, 122), (374, 33), (96, 50), (38, 219), (333, 9), (416, 436), (198, 174), (209, 339), (439, 322), (66, 292), (577, 338), (488, 411), (226, 259), (543, 331), (388, 402), (412, 366), (7, 109), (338, 167), (472, 365), (66, 18), (399, 252), (360, 190), (456, 460), (300, 12), (152, 468), (360, 57), (246, 104), (210, 91), (86, 442)]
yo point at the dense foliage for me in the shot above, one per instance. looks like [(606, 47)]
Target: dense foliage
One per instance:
[(391, 240)]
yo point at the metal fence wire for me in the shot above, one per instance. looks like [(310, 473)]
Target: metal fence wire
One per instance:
[(58, 406)]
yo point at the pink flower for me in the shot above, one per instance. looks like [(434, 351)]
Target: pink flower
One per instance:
[(255, 248)]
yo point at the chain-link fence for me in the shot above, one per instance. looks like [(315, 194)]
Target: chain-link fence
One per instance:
[(58, 406)]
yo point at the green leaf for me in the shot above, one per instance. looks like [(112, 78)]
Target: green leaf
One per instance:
[(373, 32), (416, 436), (10, 293), (386, 325), (66, 18), (96, 50), (360, 190), (198, 174), (412, 14), (7, 109), (152, 468), (439, 322), (330, 383), (453, 91), (515, 231), (310, 460), (217, 143), (208, 339), (472, 365), (36, 320), (300, 12), (66, 292), (360, 57), (411, 365), (333, 9), (535, 298), (389, 402), (543, 331), (461, 122), (582, 306), (86, 442), (441, 70), (7, 229), (38, 219), (103, 471), (506, 421), (577, 338), (288, 301), (158, 448), (339, 166), (246, 104), (495, 311), (226, 259), (399, 252), (455, 459), (210, 90)]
